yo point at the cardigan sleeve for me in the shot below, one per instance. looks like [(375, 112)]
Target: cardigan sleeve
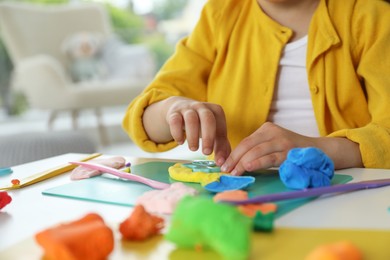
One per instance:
[(372, 31), (184, 74)]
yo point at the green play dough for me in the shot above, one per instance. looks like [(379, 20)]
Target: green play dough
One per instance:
[(263, 222), (200, 222)]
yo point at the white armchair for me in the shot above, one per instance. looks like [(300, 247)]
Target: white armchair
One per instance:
[(33, 35)]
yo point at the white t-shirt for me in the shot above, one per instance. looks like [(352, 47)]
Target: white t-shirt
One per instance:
[(291, 106)]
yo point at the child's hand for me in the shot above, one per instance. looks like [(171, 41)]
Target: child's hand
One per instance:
[(266, 147), (193, 120)]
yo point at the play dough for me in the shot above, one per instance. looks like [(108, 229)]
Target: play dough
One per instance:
[(249, 210), (199, 223), (140, 225), (85, 238), (209, 176), (340, 250), (179, 172), (165, 201), (81, 172), (228, 182), (5, 199), (306, 168)]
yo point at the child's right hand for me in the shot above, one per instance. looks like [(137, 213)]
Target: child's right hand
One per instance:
[(192, 120)]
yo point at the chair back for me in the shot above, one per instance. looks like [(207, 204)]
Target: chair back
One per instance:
[(30, 29)]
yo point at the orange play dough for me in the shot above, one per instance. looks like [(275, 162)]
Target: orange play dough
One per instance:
[(342, 250), (231, 195), (140, 225), (86, 238), (249, 209)]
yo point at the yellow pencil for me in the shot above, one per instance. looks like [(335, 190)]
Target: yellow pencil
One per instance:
[(46, 174)]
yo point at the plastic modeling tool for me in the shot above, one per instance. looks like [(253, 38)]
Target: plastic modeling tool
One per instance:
[(152, 183), (45, 174), (313, 192), (5, 171)]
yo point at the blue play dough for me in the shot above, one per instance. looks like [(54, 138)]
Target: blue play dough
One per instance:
[(306, 168), (228, 182)]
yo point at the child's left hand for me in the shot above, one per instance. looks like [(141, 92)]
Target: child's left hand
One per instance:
[(266, 147)]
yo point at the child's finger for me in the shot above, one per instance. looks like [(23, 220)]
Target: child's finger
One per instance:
[(208, 129), (191, 125), (176, 126), (221, 144)]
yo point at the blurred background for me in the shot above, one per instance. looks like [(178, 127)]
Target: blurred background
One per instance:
[(142, 29)]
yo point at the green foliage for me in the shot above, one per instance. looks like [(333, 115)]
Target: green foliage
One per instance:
[(13, 103), (47, 1), (5, 74), (126, 24), (18, 105), (5, 65), (168, 9), (122, 18), (161, 49)]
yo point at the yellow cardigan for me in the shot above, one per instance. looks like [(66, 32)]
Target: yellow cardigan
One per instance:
[(232, 56)]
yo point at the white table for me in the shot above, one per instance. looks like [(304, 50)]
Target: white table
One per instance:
[(30, 211)]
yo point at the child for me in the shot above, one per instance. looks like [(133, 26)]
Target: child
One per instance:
[(262, 77)]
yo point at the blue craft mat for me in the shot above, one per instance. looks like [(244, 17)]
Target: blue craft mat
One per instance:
[(125, 193)]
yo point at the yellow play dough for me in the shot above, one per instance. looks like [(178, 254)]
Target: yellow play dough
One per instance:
[(179, 172)]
